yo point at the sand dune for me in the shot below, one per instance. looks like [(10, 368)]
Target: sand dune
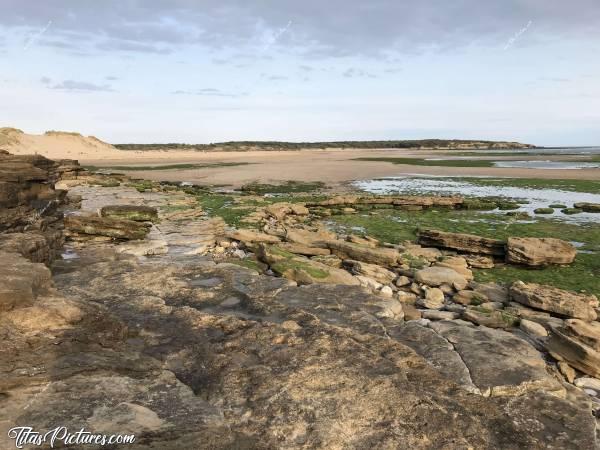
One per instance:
[(56, 145)]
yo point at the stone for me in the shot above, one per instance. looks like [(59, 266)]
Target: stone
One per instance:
[(552, 299), (466, 297), (492, 291), (467, 243), (588, 207), (439, 315), (280, 210), (587, 333), (21, 281), (251, 236), (458, 264), (567, 371), (428, 253), (499, 362), (480, 261), (386, 291), (406, 297), (402, 280), (575, 353), (588, 382), (410, 312), (435, 276), (490, 318), (381, 274), (537, 252), (380, 256), (301, 269), (130, 212), (85, 226), (368, 283), (317, 238), (306, 250), (434, 299), (532, 328)]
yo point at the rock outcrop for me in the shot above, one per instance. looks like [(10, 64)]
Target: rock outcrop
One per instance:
[(88, 227), (559, 301), (466, 243), (539, 252), (138, 213)]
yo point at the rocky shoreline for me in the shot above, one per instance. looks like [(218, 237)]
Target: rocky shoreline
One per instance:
[(162, 321)]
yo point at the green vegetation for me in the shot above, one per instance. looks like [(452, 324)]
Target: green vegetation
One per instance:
[(432, 162), (394, 226), (571, 211), (276, 145), (285, 188), (543, 211), (167, 166), (141, 185)]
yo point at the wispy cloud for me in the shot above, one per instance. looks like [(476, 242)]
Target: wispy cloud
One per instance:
[(78, 86), (357, 73), (208, 92)]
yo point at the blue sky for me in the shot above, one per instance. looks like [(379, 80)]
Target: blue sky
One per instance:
[(207, 71)]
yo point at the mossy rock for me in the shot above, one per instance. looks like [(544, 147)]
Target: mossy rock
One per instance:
[(543, 211), (571, 211), (478, 204), (558, 206), (519, 214), (507, 206)]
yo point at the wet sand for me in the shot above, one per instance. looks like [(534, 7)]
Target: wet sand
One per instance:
[(330, 166)]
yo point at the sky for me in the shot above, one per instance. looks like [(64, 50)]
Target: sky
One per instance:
[(205, 71)]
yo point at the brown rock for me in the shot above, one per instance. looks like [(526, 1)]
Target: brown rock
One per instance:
[(436, 276), (467, 243), (138, 213), (539, 252), (251, 236), (575, 353), (347, 250), (559, 301), (82, 226)]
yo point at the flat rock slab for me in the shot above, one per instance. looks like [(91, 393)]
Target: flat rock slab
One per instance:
[(467, 243), (559, 301), (537, 252), (130, 212), (499, 362)]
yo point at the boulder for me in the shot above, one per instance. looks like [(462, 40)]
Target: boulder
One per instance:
[(309, 238), (436, 276), (21, 281), (427, 253), (280, 210), (480, 261), (434, 299), (539, 252), (532, 328), (552, 299), (381, 274), (137, 213), (300, 269), (458, 264), (86, 226), (467, 243), (588, 207), (587, 333), (380, 256), (574, 352), (489, 317), (466, 297)]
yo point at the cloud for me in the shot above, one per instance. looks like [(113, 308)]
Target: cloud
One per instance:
[(111, 78), (319, 29), (79, 86), (357, 73), (45, 80), (209, 92)]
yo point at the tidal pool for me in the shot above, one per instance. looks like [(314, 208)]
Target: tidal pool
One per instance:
[(547, 164), (534, 198)]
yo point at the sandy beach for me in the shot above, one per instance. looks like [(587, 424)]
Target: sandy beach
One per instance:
[(332, 166)]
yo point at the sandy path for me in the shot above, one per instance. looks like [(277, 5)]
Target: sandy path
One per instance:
[(331, 166)]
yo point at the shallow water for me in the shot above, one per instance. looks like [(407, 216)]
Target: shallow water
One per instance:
[(547, 164), (536, 198)]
